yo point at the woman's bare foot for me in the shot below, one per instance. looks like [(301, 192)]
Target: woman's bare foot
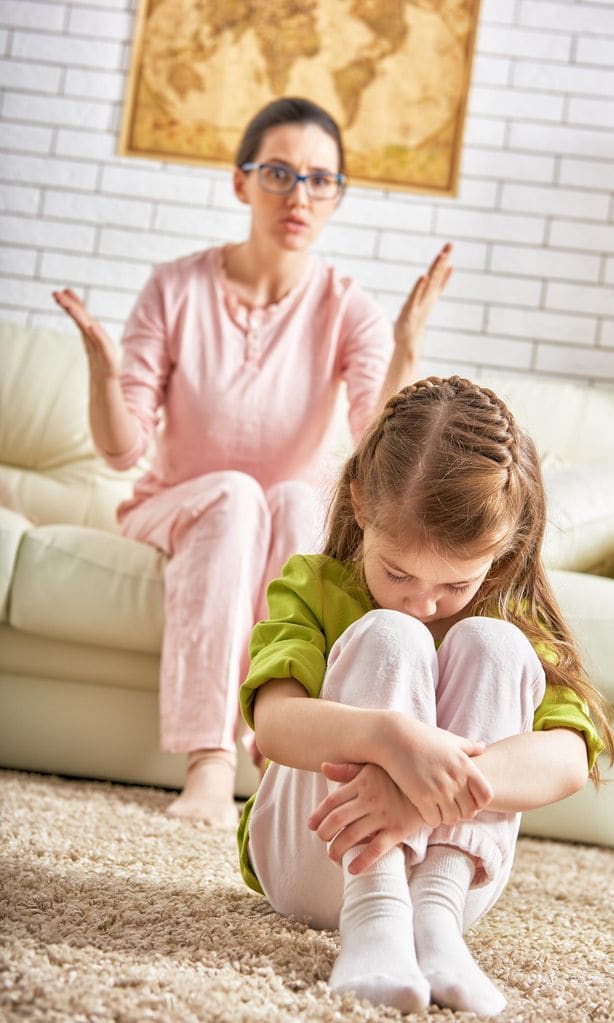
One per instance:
[(209, 787)]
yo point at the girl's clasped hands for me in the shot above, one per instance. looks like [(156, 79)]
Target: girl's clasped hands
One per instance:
[(440, 784)]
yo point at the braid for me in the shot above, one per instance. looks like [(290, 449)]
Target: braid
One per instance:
[(480, 414)]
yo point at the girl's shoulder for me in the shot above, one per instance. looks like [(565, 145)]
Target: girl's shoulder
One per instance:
[(323, 568)]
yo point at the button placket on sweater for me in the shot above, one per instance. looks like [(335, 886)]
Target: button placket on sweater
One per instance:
[(253, 335)]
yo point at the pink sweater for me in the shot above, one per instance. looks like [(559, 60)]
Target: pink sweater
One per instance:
[(223, 387)]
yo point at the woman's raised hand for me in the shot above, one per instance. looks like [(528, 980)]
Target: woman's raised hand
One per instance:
[(99, 348), (415, 312)]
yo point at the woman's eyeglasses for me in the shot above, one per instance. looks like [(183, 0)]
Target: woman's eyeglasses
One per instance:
[(281, 180)]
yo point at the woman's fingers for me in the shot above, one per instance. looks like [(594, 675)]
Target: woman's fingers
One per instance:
[(72, 304), (439, 266)]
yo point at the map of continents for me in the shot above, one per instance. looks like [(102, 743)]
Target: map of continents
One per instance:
[(392, 72)]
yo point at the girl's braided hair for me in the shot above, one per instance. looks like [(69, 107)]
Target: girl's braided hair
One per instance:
[(446, 464)]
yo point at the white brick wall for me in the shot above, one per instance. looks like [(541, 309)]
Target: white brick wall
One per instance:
[(533, 225)]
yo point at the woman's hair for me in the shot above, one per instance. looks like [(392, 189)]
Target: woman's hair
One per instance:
[(290, 110), (447, 465)]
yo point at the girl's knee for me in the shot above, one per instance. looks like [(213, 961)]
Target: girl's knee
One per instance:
[(393, 629), (492, 638)]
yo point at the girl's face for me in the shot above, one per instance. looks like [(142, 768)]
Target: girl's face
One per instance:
[(291, 221), (429, 586)]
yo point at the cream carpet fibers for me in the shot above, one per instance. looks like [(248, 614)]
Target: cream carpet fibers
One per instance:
[(113, 912)]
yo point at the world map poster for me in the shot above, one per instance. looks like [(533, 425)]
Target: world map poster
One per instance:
[(394, 74)]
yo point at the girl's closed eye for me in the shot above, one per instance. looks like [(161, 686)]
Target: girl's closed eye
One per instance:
[(397, 578), (462, 588)]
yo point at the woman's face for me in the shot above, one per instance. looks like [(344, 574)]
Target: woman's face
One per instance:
[(293, 221)]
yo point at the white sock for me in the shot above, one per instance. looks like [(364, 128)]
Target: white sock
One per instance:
[(377, 960), (439, 887)]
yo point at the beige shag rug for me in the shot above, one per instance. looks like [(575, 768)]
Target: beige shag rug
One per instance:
[(112, 911)]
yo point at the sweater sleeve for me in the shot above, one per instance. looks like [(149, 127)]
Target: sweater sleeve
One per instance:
[(291, 642), (145, 369), (563, 708), (367, 349)]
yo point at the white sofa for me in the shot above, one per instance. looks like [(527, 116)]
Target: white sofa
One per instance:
[(81, 608)]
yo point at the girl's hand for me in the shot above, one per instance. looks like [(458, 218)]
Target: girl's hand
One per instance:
[(99, 348), (367, 808), (415, 312), (434, 769)]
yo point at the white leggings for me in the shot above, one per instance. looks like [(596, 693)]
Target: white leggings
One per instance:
[(484, 682)]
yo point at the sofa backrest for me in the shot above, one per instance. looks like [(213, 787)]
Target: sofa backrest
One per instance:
[(49, 470), (570, 423)]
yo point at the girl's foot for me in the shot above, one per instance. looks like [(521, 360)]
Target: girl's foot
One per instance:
[(377, 959), (209, 789), (439, 888)]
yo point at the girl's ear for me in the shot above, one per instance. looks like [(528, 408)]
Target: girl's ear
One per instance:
[(239, 181), (354, 498)]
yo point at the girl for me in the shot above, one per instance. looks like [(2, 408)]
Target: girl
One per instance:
[(447, 696), (232, 362)]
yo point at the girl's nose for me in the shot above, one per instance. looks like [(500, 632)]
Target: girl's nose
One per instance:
[(420, 605)]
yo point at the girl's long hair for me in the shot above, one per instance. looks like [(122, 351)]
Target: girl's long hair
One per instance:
[(447, 465)]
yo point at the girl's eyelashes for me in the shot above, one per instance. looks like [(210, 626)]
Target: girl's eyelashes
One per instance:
[(451, 588), (397, 578)]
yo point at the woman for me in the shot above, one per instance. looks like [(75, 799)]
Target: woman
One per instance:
[(232, 361)]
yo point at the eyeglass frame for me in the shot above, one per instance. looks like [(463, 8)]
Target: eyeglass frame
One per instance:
[(341, 179)]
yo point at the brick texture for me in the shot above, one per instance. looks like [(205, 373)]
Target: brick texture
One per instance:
[(533, 223)]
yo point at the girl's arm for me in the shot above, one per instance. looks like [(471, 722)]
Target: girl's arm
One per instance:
[(525, 771), (114, 428), (434, 768), (534, 769)]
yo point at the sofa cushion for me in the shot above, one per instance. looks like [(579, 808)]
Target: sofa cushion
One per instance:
[(89, 586), (12, 528), (43, 395), (580, 530), (84, 493), (49, 470), (587, 603)]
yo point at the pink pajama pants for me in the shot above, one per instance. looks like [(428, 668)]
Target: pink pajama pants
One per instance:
[(226, 539), (484, 682)]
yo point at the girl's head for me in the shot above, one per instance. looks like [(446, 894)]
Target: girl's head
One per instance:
[(288, 111), (442, 503)]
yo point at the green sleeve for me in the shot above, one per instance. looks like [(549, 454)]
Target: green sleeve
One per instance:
[(290, 643), (563, 708)]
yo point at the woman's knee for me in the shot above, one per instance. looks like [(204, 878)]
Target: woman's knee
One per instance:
[(228, 502), (297, 516)]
